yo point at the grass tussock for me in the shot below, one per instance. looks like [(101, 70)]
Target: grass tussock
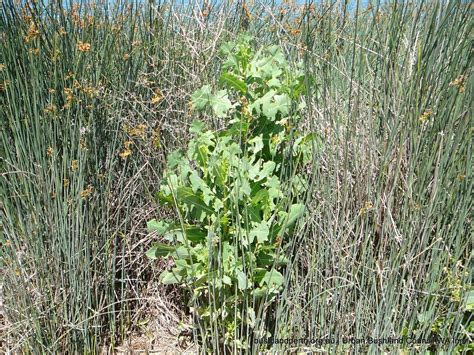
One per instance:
[(93, 97)]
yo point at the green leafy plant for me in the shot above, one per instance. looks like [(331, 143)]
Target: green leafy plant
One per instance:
[(237, 203)]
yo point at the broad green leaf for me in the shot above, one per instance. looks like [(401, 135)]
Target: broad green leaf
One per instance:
[(259, 274), (267, 169), (159, 250), (193, 234), (273, 277), (193, 202), (201, 97), (260, 231), (232, 81), (182, 253), (174, 235), (271, 103), (227, 280), (296, 211), (242, 187), (164, 198), (219, 102), (425, 317), (169, 278), (174, 158), (274, 83), (196, 182), (257, 143), (242, 281), (260, 292), (196, 127), (159, 227), (260, 196), (267, 259)]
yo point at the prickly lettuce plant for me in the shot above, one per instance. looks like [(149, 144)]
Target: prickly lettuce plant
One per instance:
[(237, 193)]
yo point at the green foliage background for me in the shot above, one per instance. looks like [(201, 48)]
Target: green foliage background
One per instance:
[(95, 96)]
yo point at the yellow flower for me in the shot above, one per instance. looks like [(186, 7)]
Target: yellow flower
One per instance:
[(50, 108), (62, 31), (66, 182), (83, 46), (2, 67), (87, 192), (156, 138), (157, 97), (127, 151), (137, 131), (69, 95), (89, 91), (295, 31), (247, 13), (50, 151), (56, 55), (459, 82), (33, 32), (34, 51), (425, 116), (74, 165), (83, 144), (367, 207)]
